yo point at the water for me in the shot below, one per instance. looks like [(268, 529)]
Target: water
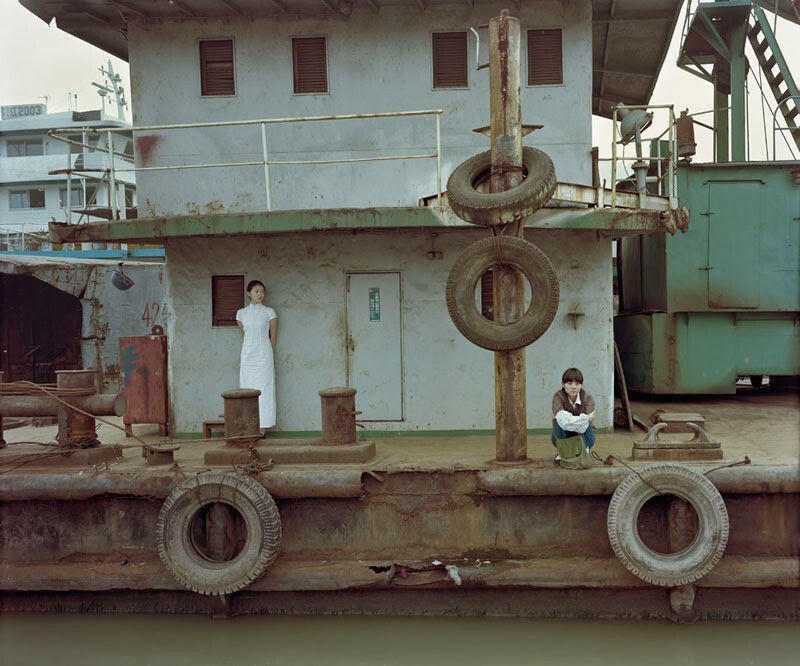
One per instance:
[(170, 640)]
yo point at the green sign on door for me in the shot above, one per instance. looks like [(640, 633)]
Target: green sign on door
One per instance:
[(374, 304)]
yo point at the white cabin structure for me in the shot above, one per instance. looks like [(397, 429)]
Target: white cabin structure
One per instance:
[(249, 81), (31, 195)]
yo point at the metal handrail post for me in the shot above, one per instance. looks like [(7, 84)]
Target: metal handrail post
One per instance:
[(69, 183), (266, 164), (112, 184), (614, 158), (438, 161), (776, 127), (673, 165)]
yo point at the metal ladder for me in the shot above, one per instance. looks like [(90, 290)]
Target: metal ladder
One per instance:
[(783, 87)]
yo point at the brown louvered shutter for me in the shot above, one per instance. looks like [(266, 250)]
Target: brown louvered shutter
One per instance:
[(216, 67), (450, 60), (310, 60), (227, 296), (545, 59)]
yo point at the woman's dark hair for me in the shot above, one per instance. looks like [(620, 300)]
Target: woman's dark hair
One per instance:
[(572, 375), (255, 283)]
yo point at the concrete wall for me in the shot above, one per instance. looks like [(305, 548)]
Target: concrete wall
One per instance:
[(448, 383), (109, 314), (376, 63)]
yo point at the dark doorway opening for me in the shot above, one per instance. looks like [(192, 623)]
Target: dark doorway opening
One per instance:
[(40, 330)]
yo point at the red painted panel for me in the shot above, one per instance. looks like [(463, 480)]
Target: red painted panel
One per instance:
[(143, 380)]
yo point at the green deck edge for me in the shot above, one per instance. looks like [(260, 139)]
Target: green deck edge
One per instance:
[(156, 229), (308, 434)]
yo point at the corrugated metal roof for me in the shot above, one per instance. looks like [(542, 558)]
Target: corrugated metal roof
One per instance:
[(630, 37)]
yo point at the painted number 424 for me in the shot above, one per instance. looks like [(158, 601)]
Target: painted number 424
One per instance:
[(153, 312)]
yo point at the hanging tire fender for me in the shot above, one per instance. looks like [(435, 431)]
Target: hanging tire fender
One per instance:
[(694, 561), (468, 269), (176, 532), (490, 208)]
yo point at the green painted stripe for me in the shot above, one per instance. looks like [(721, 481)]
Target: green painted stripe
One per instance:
[(307, 434), (152, 229)]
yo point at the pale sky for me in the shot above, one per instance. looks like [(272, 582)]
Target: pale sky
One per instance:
[(38, 60)]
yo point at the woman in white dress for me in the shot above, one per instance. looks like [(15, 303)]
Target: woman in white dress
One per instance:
[(259, 325)]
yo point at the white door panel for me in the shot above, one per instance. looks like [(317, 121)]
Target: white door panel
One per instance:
[(374, 345)]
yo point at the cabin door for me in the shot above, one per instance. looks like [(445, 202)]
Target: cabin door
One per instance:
[(374, 354)]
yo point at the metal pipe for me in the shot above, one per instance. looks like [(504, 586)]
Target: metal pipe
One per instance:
[(69, 184), (266, 163), (112, 191), (232, 123), (104, 404), (614, 130), (438, 161), (261, 162)]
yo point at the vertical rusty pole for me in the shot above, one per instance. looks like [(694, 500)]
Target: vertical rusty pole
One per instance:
[(511, 440)]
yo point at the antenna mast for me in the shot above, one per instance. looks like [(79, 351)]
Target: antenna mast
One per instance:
[(112, 86)]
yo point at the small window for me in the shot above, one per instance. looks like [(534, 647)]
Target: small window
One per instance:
[(75, 200), (227, 297), (450, 60), (310, 64), (26, 199), (545, 57), (24, 147), (216, 67)]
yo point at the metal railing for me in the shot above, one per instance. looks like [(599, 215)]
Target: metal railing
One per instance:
[(110, 174), (105, 175), (777, 127), (666, 166)]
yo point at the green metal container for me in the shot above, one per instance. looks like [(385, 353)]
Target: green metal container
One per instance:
[(700, 309)]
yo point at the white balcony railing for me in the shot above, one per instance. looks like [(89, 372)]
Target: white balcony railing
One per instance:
[(118, 163)]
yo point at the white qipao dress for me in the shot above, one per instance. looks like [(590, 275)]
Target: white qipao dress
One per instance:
[(257, 366)]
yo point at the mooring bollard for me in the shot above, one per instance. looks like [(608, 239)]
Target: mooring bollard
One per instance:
[(74, 428), (241, 417), (338, 415)]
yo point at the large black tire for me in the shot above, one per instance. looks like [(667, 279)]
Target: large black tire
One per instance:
[(487, 209), (468, 269), (181, 555), (675, 569)]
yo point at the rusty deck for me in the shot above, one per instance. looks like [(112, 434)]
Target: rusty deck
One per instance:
[(397, 522)]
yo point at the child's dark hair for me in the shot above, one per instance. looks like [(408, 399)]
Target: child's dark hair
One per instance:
[(572, 375), (255, 283)]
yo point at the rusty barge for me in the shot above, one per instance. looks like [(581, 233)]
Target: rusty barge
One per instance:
[(430, 509), (424, 527)]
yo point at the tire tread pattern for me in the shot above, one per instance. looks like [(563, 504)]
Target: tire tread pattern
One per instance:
[(489, 208), (258, 553), (474, 262), (693, 562)]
